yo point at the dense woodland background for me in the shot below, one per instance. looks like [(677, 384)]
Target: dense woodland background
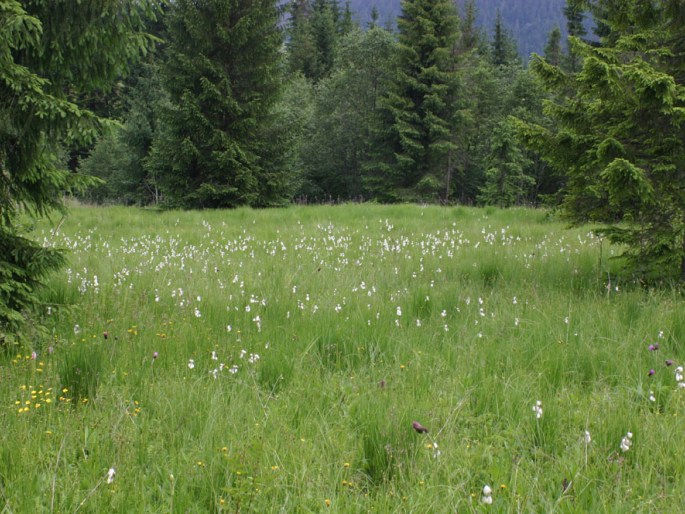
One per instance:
[(529, 21), (334, 128)]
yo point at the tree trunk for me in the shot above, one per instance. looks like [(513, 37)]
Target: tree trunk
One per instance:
[(682, 261), (448, 180)]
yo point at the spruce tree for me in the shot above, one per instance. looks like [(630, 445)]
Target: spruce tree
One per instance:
[(471, 37), (222, 72), (506, 182), (553, 52), (301, 48), (374, 17), (423, 102), (619, 134), (51, 54), (323, 25), (503, 46), (574, 11)]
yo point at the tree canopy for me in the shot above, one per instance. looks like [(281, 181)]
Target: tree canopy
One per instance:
[(51, 54), (222, 73), (619, 135)]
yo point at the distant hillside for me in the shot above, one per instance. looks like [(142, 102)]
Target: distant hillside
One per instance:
[(528, 21)]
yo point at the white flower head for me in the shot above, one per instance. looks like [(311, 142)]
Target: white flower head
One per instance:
[(587, 437), (537, 409), (627, 442), (191, 363), (399, 311), (487, 495), (111, 472)]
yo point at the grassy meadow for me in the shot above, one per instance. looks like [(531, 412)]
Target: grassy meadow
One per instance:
[(274, 361)]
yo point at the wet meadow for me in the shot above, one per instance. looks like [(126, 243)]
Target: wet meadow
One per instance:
[(353, 358)]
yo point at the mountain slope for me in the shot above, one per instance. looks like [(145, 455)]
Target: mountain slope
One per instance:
[(528, 21)]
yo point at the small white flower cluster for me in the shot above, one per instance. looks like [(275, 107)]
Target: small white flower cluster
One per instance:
[(110, 475), (627, 442), (537, 409), (251, 358), (487, 495), (679, 376), (588, 437)]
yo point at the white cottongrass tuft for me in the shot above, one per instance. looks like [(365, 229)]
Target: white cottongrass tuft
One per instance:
[(537, 409), (487, 495)]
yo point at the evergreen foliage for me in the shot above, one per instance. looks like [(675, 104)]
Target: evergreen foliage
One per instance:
[(574, 12), (118, 158), (506, 182), (504, 50), (314, 31), (51, 54), (553, 52), (423, 101), (222, 71), (619, 134)]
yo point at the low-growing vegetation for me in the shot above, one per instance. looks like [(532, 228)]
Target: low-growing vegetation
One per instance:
[(289, 360)]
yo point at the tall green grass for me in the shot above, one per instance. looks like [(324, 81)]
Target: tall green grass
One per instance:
[(274, 361)]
